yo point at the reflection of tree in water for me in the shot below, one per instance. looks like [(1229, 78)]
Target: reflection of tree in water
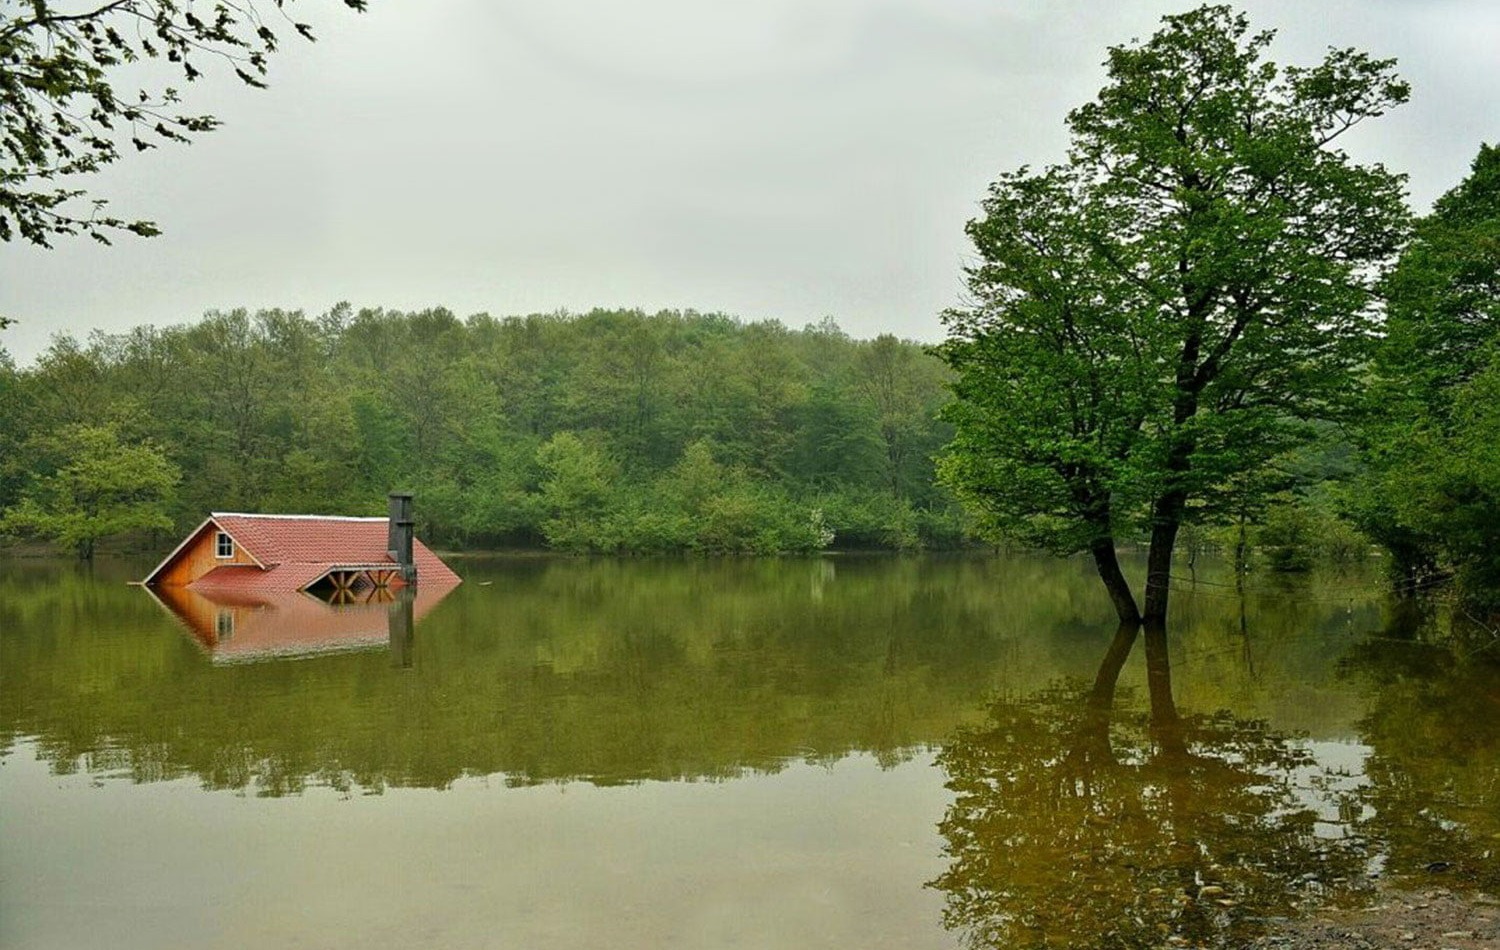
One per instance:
[(1433, 792), (1077, 824)]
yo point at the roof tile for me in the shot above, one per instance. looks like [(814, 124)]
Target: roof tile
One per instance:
[(296, 549)]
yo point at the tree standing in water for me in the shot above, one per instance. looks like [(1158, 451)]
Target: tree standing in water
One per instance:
[(1157, 317)]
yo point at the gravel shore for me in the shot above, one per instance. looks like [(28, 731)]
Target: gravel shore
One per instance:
[(1437, 919)]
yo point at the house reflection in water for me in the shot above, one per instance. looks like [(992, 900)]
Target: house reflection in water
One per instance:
[(244, 626)]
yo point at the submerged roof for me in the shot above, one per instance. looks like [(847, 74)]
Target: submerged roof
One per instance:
[(238, 625), (293, 551)]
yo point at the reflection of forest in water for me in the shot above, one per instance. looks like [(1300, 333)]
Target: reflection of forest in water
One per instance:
[(1086, 818), (1279, 746)]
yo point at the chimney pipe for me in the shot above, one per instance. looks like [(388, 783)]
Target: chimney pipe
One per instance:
[(399, 535)]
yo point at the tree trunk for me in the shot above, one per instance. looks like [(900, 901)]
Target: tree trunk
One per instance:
[(1108, 565), (1241, 556), (1171, 504), (1159, 560)]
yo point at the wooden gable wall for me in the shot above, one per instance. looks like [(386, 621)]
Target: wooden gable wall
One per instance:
[(197, 558)]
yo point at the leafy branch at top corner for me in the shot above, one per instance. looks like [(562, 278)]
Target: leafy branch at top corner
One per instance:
[(65, 113)]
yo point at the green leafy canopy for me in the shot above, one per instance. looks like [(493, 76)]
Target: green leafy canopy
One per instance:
[(101, 487), (64, 115), (1431, 489)]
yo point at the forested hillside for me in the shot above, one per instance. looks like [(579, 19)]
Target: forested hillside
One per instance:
[(608, 431)]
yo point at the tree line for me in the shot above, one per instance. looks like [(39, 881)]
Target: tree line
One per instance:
[(622, 431), (610, 431)]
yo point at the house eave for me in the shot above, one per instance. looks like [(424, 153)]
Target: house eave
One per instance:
[(193, 534)]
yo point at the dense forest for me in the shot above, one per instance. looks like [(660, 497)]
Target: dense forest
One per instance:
[(611, 431)]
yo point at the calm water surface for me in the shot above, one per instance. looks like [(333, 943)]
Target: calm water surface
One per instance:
[(833, 752)]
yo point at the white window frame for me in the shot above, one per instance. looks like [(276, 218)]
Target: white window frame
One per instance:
[(220, 545)]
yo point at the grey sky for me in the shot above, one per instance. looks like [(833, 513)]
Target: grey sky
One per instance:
[(777, 159)]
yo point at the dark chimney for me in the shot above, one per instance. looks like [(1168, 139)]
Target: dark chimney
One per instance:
[(399, 535)]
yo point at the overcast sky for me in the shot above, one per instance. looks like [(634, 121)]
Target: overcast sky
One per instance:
[(771, 159)]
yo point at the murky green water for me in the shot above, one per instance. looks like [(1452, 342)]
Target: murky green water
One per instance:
[(836, 752)]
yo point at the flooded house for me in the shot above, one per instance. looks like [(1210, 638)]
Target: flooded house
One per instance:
[(254, 586), (340, 557)]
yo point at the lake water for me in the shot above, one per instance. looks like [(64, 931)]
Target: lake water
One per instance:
[(830, 752)]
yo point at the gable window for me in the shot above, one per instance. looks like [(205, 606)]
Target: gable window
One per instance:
[(223, 545)]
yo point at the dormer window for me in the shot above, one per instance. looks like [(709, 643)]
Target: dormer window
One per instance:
[(223, 546)]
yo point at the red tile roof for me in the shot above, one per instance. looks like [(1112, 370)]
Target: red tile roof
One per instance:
[(280, 541), (250, 579), (298, 549)]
